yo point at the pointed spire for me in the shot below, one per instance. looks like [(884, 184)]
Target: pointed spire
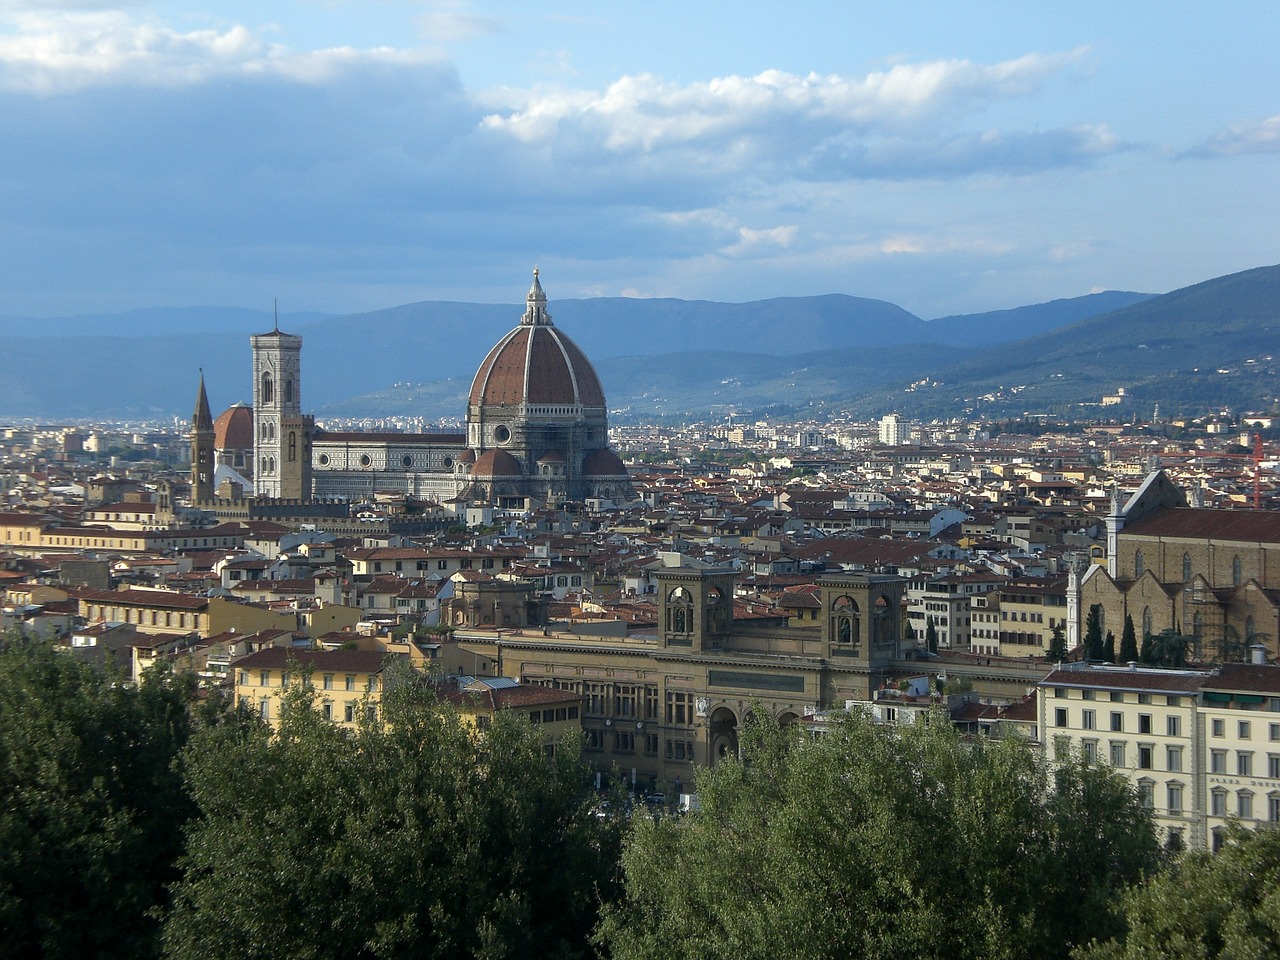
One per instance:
[(535, 313), (202, 419)]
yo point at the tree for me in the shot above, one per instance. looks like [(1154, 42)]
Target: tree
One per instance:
[(1205, 906), (1093, 633), (1057, 644), (93, 810), (415, 837), (1169, 649), (1109, 648), (882, 841), (1128, 641), (931, 636)]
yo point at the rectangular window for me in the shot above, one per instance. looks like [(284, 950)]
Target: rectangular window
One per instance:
[(349, 712), (264, 678), (1218, 803), (1090, 750), (1117, 722), (1145, 752), (1144, 698), (1175, 799), (326, 710), (1244, 764), (1173, 701), (595, 740), (1217, 761), (1144, 723), (624, 701), (1086, 694), (1219, 727), (1173, 725), (328, 681), (351, 682), (1173, 759), (1059, 692), (651, 703), (651, 744), (1146, 794), (1244, 806), (1275, 732), (1273, 766), (679, 708), (1117, 754), (597, 699), (1088, 720), (1117, 696), (1244, 729), (264, 709)]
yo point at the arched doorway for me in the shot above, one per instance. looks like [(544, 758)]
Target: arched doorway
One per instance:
[(723, 730)]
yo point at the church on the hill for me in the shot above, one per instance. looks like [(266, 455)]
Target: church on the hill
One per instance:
[(536, 433)]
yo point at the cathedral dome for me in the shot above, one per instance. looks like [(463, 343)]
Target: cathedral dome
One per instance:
[(536, 364), (496, 463), (603, 463), (233, 430)]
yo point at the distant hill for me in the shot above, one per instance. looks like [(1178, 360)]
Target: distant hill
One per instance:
[(679, 359)]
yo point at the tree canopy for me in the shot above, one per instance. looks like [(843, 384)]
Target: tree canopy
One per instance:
[(1205, 907), (93, 805), (415, 837), (883, 842)]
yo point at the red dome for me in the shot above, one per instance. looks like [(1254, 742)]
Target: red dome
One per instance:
[(233, 430), (496, 463), (603, 463), (536, 363)]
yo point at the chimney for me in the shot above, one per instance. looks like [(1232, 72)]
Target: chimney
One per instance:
[(1257, 653)]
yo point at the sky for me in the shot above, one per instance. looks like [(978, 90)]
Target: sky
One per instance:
[(349, 155)]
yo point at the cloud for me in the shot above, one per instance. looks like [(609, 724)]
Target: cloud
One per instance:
[(64, 52), (1249, 136), (451, 21), (761, 242)]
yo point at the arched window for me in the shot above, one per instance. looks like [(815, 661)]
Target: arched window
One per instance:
[(1186, 567), (1197, 624), (1237, 571), (268, 389), (844, 617), (1139, 564), (1248, 629), (288, 390), (1146, 622)]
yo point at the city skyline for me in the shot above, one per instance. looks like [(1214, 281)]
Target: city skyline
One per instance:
[(345, 158)]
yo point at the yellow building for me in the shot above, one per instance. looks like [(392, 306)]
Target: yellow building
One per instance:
[(347, 683), (554, 713), (167, 611)]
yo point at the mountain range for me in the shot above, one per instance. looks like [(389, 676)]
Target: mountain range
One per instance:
[(1212, 343)]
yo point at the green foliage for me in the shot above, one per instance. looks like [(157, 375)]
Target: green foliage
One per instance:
[(882, 842), (1057, 644), (417, 838), (1128, 641), (1093, 647), (93, 807), (1109, 648), (931, 636), (1206, 906), (1167, 649)]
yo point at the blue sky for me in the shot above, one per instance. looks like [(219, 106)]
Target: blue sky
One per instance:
[(346, 156)]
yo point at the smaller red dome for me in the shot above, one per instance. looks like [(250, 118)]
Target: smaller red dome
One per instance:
[(233, 430), (603, 463), (496, 463), (468, 456)]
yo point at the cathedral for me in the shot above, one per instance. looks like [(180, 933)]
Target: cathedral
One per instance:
[(536, 433)]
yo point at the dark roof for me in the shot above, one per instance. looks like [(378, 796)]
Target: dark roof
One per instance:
[(510, 698), (1254, 677), (1143, 680), (338, 661), (1198, 523)]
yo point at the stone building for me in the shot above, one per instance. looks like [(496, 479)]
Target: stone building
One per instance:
[(1209, 573)]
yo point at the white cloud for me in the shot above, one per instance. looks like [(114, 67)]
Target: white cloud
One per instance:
[(643, 113), (451, 21), (761, 242), (63, 52), (1250, 136)]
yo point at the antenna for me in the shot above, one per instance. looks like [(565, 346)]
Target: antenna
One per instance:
[(275, 310)]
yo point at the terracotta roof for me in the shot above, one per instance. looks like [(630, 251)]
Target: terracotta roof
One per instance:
[(1123, 679), (536, 364), (317, 661), (1244, 526), (1255, 677), (233, 430), (603, 463), (496, 463), (144, 598)]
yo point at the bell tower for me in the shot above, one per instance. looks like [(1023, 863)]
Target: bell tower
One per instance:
[(695, 607), (201, 448), (281, 433)]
